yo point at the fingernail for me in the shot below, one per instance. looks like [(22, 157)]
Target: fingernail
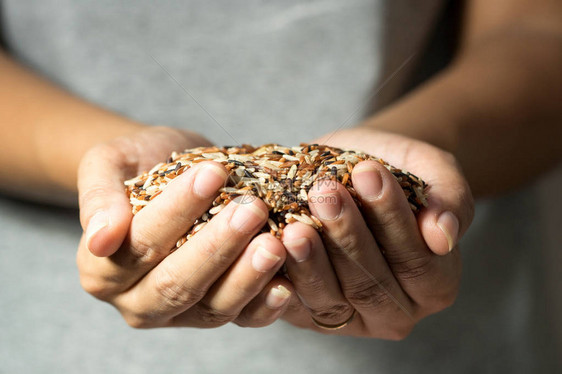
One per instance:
[(449, 224), (208, 180), (327, 206), (98, 222), (247, 217), (367, 181), (263, 260), (298, 249), (277, 297)]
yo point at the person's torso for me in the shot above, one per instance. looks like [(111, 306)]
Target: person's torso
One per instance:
[(267, 71)]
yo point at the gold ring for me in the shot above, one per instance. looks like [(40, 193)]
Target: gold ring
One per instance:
[(334, 327)]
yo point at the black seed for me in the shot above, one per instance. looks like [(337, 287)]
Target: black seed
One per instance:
[(248, 174), (277, 153), (236, 162)]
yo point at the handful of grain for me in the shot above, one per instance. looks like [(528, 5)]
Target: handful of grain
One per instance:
[(280, 176)]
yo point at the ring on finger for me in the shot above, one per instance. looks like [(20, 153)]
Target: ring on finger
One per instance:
[(338, 326)]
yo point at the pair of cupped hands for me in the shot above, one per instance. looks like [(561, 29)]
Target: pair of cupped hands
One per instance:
[(379, 268)]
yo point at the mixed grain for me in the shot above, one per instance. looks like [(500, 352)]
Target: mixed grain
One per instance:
[(280, 176)]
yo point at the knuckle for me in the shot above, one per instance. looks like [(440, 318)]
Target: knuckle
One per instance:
[(445, 300), (343, 246), (140, 318), (401, 332), (438, 301), (144, 248), (294, 308), (213, 250), (99, 288), (312, 283), (247, 321), (214, 317), (369, 294), (146, 320), (174, 294), (411, 269), (138, 322), (389, 219), (243, 321), (334, 313)]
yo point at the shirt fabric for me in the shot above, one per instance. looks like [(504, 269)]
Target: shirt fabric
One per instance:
[(267, 71)]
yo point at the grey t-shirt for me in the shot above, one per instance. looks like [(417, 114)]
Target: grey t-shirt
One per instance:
[(266, 71)]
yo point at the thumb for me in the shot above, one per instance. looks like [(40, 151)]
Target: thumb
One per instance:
[(105, 212), (450, 206)]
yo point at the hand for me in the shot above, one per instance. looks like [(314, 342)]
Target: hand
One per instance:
[(379, 261), (224, 273)]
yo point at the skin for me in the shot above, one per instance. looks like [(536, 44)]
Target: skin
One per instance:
[(498, 100), (388, 266)]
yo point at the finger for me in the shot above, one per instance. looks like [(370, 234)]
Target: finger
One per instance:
[(450, 205), (312, 275), (105, 211), (184, 277), (364, 276), (238, 286), (448, 190), (268, 306), (155, 229), (388, 214), (299, 315)]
